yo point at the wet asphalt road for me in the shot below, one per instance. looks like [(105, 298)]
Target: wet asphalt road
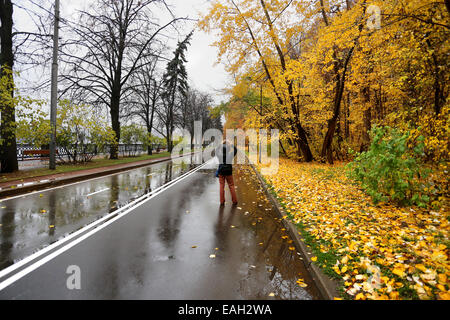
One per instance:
[(180, 244), (32, 221)]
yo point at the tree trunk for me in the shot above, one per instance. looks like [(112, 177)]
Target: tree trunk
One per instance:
[(169, 139), (115, 123), (367, 123), (378, 104), (327, 151), (439, 99), (282, 147), (8, 152), (302, 141), (171, 118), (302, 144), (324, 14), (340, 84), (149, 147), (346, 117), (150, 124), (339, 154)]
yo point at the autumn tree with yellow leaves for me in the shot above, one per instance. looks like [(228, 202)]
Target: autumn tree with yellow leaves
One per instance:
[(250, 39), (333, 69)]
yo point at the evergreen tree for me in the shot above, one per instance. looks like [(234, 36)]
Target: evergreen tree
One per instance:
[(175, 84)]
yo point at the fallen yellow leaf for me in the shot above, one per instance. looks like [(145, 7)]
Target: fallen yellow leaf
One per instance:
[(301, 283), (360, 296)]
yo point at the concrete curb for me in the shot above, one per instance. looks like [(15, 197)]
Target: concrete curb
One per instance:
[(80, 177), (327, 286)]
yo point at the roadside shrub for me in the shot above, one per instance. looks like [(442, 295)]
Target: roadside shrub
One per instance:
[(391, 170), (132, 134), (159, 142), (79, 132)]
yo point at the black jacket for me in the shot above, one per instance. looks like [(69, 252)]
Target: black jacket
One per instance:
[(225, 153)]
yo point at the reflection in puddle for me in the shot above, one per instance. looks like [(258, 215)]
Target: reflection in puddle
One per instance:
[(269, 255)]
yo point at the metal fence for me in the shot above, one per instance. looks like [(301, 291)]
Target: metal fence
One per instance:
[(29, 152)]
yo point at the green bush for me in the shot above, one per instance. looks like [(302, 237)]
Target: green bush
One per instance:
[(390, 170)]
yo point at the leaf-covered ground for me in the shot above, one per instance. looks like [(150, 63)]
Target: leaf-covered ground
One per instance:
[(376, 251)]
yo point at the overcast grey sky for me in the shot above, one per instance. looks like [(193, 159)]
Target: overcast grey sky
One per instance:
[(203, 74), (201, 55)]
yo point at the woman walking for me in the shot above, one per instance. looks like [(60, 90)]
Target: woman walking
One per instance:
[(225, 153)]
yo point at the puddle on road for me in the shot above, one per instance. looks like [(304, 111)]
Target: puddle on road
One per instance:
[(30, 222), (263, 243)]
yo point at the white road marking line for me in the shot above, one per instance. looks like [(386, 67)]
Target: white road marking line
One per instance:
[(93, 224), (90, 194), (51, 256)]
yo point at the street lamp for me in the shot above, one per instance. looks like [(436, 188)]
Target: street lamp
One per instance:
[(260, 113), (54, 90)]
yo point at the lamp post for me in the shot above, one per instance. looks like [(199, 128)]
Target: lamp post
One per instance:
[(260, 112), (54, 90)]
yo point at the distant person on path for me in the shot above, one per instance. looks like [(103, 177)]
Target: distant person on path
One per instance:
[(225, 153)]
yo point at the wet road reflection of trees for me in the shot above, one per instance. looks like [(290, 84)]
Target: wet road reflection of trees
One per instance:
[(32, 221), (114, 194), (148, 181), (7, 228), (223, 227), (283, 265), (51, 214), (169, 224), (168, 174)]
